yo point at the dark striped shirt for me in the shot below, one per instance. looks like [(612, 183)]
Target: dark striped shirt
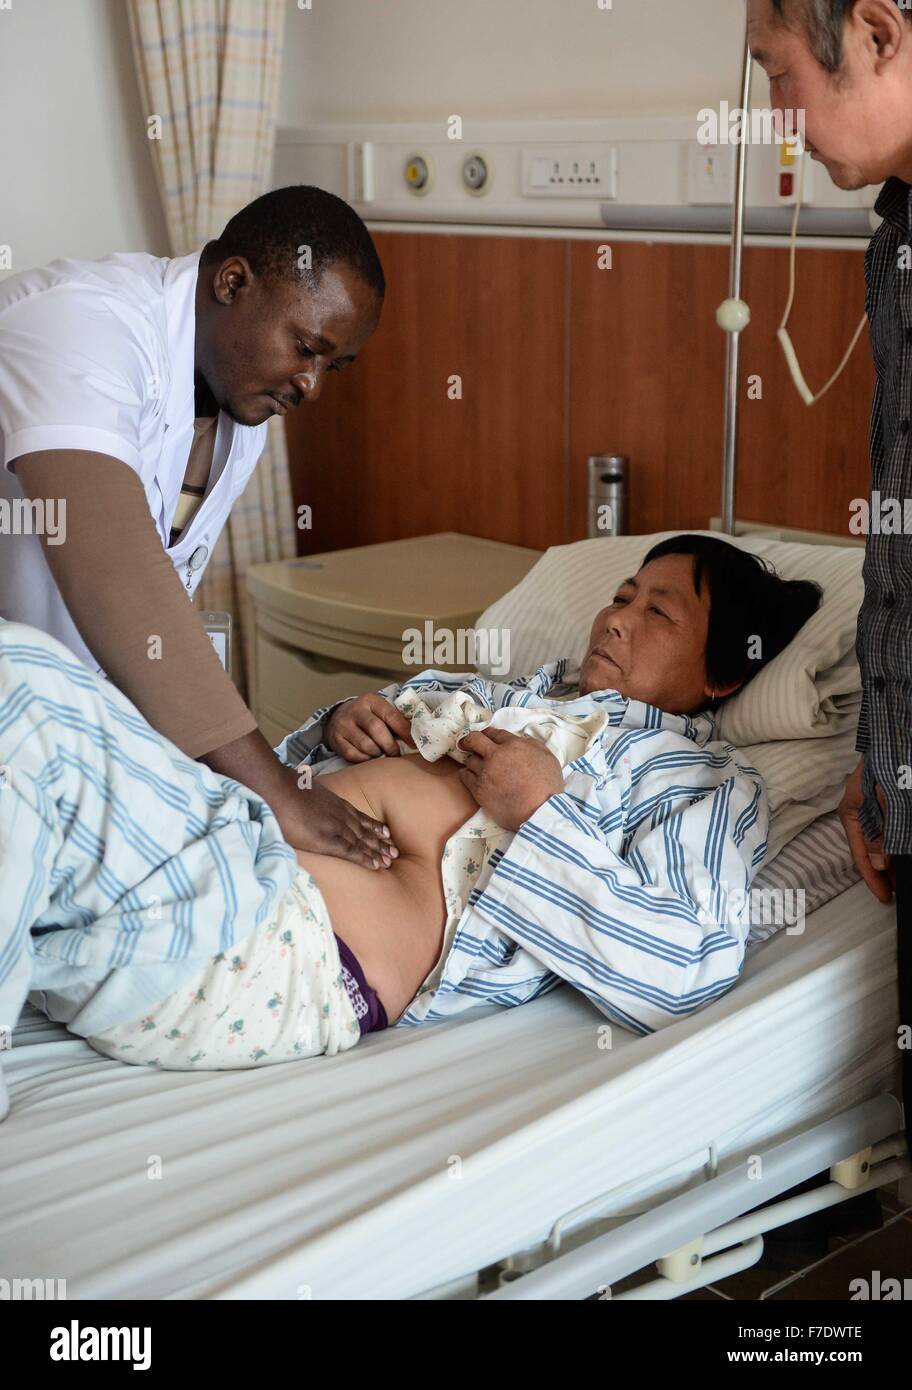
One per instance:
[(884, 638)]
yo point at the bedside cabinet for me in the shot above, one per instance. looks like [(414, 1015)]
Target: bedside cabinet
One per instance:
[(332, 625)]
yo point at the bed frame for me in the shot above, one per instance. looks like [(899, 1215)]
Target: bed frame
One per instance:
[(711, 1232)]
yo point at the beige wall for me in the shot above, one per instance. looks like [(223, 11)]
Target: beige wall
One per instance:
[(75, 167), (419, 59), (76, 176)]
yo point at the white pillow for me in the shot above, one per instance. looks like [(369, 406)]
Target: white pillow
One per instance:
[(802, 694), (804, 779), (818, 863)]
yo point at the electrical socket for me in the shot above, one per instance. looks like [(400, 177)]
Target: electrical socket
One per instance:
[(571, 171), (710, 175)]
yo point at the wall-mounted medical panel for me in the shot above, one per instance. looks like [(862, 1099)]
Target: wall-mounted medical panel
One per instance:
[(623, 173)]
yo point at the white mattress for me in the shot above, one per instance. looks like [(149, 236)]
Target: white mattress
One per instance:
[(425, 1154)]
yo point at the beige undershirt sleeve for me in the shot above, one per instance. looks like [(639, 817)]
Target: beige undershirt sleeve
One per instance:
[(123, 592)]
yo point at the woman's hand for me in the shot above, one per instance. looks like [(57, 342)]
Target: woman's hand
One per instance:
[(509, 776), (874, 866), (367, 727)]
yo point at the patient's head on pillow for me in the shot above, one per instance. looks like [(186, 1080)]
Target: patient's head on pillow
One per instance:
[(698, 620)]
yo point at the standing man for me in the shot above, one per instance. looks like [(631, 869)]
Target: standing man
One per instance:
[(134, 393), (848, 65)]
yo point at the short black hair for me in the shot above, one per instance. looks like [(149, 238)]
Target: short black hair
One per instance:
[(271, 231), (823, 21), (747, 600)]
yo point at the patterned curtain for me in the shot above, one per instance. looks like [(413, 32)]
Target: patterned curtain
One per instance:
[(209, 71)]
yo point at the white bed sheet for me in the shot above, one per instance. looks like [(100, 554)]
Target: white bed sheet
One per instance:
[(425, 1154)]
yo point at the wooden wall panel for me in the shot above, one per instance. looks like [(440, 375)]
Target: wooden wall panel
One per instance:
[(559, 360), (647, 374), (798, 461), (647, 380), (385, 454), (646, 371)]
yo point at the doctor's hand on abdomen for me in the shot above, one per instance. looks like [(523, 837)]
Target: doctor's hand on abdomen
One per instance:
[(329, 825), (311, 818)]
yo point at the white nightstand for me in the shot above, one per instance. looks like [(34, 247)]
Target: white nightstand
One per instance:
[(332, 625)]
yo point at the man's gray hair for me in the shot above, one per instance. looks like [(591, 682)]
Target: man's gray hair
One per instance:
[(823, 21)]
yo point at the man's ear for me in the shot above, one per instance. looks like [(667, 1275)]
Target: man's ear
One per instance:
[(884, 25)]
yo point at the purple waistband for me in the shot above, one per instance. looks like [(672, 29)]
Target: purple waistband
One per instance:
[(369, 1011)]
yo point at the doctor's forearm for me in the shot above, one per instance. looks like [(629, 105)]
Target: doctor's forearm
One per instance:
[(124, 596), (251, 761)]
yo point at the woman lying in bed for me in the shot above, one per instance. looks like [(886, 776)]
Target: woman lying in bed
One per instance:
[(665, 642), (601, 850)]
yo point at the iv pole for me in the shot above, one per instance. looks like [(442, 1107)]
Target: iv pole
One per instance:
[(733, 315)]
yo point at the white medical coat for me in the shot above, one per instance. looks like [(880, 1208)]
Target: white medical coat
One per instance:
[(99, 355)]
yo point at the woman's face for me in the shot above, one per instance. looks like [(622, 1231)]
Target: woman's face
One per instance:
[(650, 643)]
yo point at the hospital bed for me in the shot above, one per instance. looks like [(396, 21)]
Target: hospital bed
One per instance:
[(406, 1167), (501, 1154)]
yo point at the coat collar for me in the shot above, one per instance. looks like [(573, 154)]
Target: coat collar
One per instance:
[(180, 313), (893, 204)]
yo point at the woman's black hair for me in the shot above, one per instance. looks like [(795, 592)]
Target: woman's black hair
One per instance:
[(748, 601)]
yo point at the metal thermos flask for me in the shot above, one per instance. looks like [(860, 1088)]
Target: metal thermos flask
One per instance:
[(608, 495)]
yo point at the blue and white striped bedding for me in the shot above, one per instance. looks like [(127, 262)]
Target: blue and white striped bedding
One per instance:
[(124, 865)]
